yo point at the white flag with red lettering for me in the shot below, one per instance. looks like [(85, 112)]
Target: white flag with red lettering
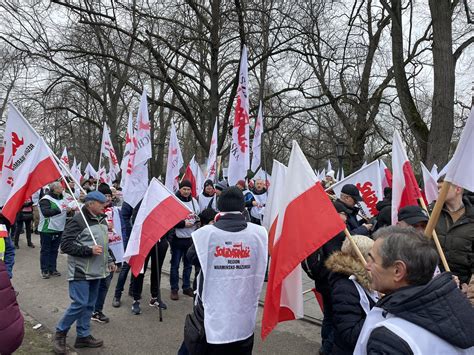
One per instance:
[(64, 157), (211, 173), (107, 150), (257, 140), (124, 165), (367, 180), (303, 199), (37, 170), (175, 161), (90, 172), (19, 140), (76, 171), (159, 211), (142, 135), (239, 156)]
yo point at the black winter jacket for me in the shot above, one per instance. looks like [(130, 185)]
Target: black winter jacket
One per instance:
[(384, 218), (438, 307), (457, 241), (353, 225)]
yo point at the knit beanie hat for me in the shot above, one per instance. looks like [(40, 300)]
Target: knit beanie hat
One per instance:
[(221, 185), (185, 183), (231, 199)]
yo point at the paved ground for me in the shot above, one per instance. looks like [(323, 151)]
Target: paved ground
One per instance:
[(46, 300)]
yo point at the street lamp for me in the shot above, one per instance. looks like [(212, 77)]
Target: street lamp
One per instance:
[(340, 153)]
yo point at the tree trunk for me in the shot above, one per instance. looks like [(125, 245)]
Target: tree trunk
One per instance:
[(442, 122)]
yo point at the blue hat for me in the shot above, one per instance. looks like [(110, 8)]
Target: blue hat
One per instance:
[(96, 196)]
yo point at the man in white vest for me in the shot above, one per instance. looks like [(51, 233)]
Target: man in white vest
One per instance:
[(258, 204), (233, 257), (53, 209), (419, 314)]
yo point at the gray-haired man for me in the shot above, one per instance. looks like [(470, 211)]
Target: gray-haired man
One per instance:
[(419, 314), (88, 263)]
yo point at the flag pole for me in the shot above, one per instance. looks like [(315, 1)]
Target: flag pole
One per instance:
[(437, 208), (435, 238), (80, 209), (355, 247), (61, 163), (158, 280)]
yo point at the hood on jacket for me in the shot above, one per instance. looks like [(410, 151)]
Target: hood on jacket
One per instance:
[(342, 263), (439, 307)]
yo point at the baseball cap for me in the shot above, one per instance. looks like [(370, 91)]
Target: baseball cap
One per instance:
[(412, 215)]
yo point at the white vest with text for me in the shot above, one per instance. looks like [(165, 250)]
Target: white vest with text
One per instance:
[(55, 223), (233, 266)]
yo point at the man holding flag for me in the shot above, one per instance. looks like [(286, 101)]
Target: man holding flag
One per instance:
[(85, 240)]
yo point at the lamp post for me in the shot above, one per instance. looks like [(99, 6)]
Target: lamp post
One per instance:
[(340, 153)]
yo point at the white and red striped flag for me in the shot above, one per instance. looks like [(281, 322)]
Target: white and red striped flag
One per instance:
[(405, 189), (239, 156), (385, 175), (37, 170), (270, 217), (430, 185), (257, 140), (194, 174), (19, 140), (175, 161), (302, 200), (107, 150), (460, 169), (136, 181), (126, 169), (159, 211), (211, 173)]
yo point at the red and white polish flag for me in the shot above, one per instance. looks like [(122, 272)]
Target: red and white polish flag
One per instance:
[(175, 161), (257, 140), (460, 169), (385, 175), (270, 217), (302, 200), (405, 189), (239, 156), (211, 173), (19, 140), (194, 174), (38, 169), (159, 211)]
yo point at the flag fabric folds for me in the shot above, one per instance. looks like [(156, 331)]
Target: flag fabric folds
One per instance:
[(430, 185), (211, 172), (405, 190), (194, 174), (239, 156), (37, 170), (303, 199), (257, 140), (461, 167), (175, 161), (159, 211)]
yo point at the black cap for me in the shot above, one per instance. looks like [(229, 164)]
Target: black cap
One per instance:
[(104, 188), (352, 191), (231, 199), (412, 215), (186, 183)]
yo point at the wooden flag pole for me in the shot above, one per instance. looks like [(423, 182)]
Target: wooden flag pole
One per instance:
[(437, 209), (356, 248), (436, 239)]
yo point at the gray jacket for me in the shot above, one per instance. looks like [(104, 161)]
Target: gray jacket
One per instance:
[(77, 243)]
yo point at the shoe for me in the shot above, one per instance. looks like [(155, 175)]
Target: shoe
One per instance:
[(116, 302), (174, 295), (44, 275), (188, 292), (59, 343), (55, 273), (136, 308), (88, 342), (31, 245), (155, 303), (100, 317)]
